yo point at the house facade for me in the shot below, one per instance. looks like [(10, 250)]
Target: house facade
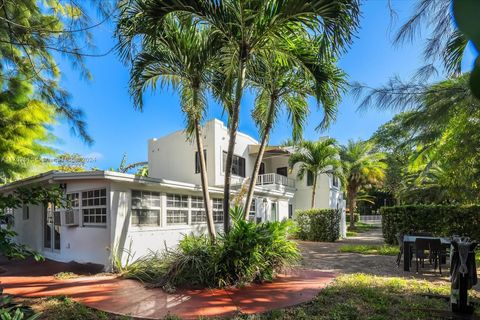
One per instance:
[(122, 215)]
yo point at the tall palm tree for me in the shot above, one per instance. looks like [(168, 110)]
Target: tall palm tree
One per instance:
[(316, 158), (279, 86), (246, 28), (361, 167), (179, 54)]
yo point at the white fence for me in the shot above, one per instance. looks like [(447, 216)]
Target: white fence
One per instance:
[(371, 218)]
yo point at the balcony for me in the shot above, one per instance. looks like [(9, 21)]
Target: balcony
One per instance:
[(274, 179)]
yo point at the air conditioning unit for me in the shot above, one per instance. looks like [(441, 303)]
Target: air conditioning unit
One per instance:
[(72, 217)]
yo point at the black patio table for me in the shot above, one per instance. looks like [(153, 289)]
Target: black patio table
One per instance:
[(409, 242)]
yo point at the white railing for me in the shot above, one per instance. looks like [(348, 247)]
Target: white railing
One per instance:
[(371, 218), (273, 178)]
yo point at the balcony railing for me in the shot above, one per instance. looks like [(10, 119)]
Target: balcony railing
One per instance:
[(274, 179)]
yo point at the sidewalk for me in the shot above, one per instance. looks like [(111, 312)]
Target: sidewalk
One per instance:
[(129, 297)]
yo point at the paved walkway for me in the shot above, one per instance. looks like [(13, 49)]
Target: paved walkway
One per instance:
[(129, 297)]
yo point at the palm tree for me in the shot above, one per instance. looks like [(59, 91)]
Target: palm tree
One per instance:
[(245, 28), (280, 85), (179, 54), (361, 167), (316, 158)]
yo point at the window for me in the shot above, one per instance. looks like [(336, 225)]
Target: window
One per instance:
[(290, 211), (335, 181), (262, 168), (26, 212), (197, 160), (217, 210), (94, 206), (283, 171), (238, 165), (73, 199), (309, 178), (177, 209), (253, 210), (145, 208), (198, 211)]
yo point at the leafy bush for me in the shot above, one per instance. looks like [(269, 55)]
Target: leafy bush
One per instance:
[(318, 224), (383, 250), (356, 217), (250, 252), (441, 220)]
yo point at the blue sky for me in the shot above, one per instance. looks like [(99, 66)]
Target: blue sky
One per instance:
[(117, 128)]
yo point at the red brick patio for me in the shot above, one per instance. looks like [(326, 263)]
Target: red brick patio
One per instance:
[(128, 297)]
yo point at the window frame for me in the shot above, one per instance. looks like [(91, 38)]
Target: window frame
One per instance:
[(197, 209), (309, 179), (176, 209), (25, 212), (94, 206), (197, 160), (217, 210), (149, 205), (238, 161)]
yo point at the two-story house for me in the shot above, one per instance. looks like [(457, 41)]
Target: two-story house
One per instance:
[(113, 213)]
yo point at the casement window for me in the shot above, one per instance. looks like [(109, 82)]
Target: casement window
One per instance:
[(309, 178), (198, 210), (72, 213), (26, 212), (73, 199), (197, 160), (238, 165), (253, 210), (335, 181), (146, 207), (262, 168), (94, 207), (217, 210), (177, 209)]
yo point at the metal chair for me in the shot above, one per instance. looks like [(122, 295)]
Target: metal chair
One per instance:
[(399, 237), (437, 251), (421, 234), (421, 251)]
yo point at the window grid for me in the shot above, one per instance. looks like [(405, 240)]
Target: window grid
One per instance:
[(177, 209), (74, 199), (146, 207), (26, 212), (94, 206), (217, 210)]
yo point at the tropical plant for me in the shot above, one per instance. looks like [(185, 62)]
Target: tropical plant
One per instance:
[(316, 158), (362, 167), (125, 167), (179, 54), (33, 33), (245, 29), (281, 85), (24, 132)]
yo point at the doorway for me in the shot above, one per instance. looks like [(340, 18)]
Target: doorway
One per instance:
[(51, 228), (273, 211)]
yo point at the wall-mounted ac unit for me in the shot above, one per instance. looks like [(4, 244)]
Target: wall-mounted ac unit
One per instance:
[(72, 217)]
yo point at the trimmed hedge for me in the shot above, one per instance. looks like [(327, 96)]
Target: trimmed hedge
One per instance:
[(356, 217), (441, 220), (318, 224)]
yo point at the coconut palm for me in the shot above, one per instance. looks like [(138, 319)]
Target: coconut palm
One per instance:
[(180, 55), (316, 158), (361, 167), (280, 86), (245, 28)]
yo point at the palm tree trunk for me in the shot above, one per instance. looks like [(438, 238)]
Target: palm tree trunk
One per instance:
[(352, 198), (314, 189), (233, 127), (258, 161), (204, 178)]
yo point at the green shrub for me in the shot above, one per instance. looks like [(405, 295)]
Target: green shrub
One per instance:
[(318, 224), (356, 217), (441, 220), (250, 252)]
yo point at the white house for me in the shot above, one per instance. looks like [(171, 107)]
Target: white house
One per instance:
[(114, 212)]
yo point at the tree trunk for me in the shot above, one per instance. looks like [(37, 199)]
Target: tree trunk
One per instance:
[(352, 197), (314, 189), (233, 127), (204, 178), (258, 161)]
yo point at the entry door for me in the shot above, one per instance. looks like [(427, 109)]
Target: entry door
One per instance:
[(283, 171), (51, 228)]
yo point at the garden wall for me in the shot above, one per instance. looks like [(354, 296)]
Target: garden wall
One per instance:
[(441, 220), (318, 224)]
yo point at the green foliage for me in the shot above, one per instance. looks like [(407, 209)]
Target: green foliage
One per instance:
[(383, 250), (23, 129), (318, 224), (442, 220), (70, 162), (9, 310), (356, 217), (250, 252)]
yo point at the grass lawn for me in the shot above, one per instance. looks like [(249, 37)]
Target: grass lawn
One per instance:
[(359, 228), (384, 250), (361, 297)]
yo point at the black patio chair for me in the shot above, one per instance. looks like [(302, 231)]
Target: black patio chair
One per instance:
[(421, 251), (421, 234), (437, 251), (399, 237)]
